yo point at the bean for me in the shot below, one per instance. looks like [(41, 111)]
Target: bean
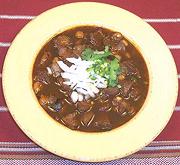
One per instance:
[(79, 34)]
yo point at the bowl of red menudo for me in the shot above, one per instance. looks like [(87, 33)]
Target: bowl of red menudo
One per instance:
[(88, 85)]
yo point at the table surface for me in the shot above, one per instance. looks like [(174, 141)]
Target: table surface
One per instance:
[(17, 148)]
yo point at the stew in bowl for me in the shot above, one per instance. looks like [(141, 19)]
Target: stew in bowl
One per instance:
[(90, 79)]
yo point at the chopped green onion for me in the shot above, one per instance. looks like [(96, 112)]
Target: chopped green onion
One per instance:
[(102, 66)]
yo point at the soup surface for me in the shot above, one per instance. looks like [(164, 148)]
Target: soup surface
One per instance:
[(90, 79)]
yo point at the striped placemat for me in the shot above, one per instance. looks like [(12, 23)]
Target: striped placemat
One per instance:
[(17, 148)]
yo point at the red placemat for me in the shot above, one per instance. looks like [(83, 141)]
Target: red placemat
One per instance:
[(17, 148)]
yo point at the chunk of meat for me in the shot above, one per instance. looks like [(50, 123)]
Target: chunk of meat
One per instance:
[(71, 120), (102, 122), (65, 52), (82, 41), (65, 88), (78, 49), (79, 34), (135, 93), (59, 81), (37, 86), (46, 57), (128, 68), (118, 48), (65, 109), (111, 91), (103, 97), (42, 76), (105, 107), (49, 100), (126, 86), (117, 100), (84, 106), (62, 40), (53, 49), (56, 70), (107, 41), (96, 39), (79, 42), (87, 118), (117, 37), (121, 106)]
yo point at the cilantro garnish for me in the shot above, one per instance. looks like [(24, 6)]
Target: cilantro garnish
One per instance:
[(102, 66)]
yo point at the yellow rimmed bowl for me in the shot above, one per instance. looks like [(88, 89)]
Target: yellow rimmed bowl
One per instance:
[(81, 146)]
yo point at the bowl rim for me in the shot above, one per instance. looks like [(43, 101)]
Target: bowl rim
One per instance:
[(96, 140)]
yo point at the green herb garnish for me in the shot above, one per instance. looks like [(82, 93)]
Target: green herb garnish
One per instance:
[(102, 66), (114, 70), (90, 55)]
